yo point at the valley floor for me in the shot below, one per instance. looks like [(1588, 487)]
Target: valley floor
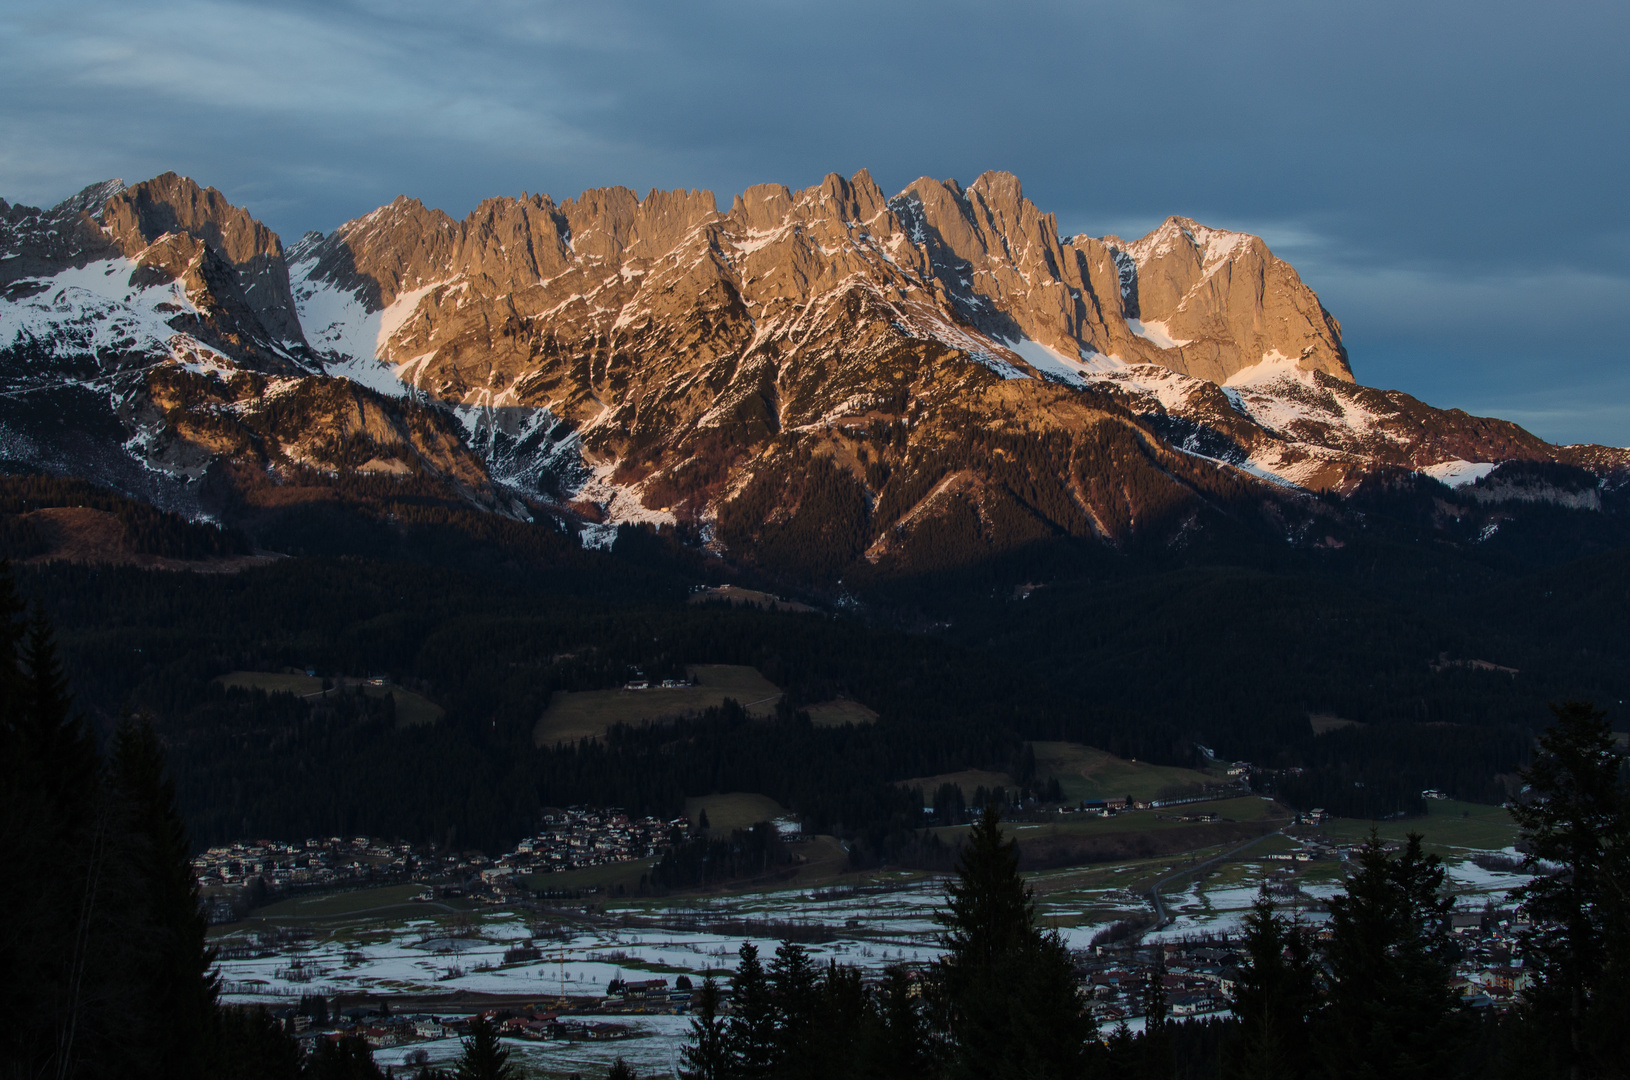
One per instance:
[(449, 958)]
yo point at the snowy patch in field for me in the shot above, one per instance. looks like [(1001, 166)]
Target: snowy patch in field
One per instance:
[(1470, 876), (1459, 473), (1155, 332)]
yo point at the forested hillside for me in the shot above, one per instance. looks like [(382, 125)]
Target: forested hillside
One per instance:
[(1439, 662)]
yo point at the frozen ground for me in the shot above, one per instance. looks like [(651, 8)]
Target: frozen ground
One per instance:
[(872, 930)]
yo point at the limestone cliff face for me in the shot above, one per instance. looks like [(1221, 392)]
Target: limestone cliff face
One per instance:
[(833, 369)]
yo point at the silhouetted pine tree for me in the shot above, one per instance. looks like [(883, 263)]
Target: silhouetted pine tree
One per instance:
[(1275, 993), (752, 1035), (343, 1059), (1575, 822), (1014, 1010), (1389, 1011), (707, 1057), (898, 1043), (168, 1020), (796, 992), (251, 1045), (484, 1058)]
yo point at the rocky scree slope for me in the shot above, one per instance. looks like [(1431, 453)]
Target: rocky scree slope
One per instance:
[(818, 379)]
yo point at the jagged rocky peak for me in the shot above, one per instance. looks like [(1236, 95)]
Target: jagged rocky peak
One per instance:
[(139, 215), (1224, 303)]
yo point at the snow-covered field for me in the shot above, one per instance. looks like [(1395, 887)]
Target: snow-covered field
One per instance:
[(872, 929)]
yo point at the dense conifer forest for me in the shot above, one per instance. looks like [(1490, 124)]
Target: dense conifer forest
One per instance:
[(1439, 659)]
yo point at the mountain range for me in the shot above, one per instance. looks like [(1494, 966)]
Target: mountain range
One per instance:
[(826, 383)]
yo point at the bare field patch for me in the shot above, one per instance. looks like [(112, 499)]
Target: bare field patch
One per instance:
[(733, 810), (1324, 723), (840, 712), (1085, 772), (273, 682), (968, 780), (739, 597), (588, 714), (412, 710)]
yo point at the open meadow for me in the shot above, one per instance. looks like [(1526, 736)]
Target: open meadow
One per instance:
[(1084, 773), (1449, 827), (412, 709), (587, 714)]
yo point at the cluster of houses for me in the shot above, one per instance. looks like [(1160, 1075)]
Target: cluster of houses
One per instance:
[(382, 1029), (578, 837), (234, 877), (1197, 977), (317, 861)]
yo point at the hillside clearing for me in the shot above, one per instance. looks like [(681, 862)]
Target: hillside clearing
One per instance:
[(588, 714), (412, 710), (840, 712), (733, 810)]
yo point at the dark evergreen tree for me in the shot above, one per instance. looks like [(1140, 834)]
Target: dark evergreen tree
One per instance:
[(251, 1045), (59, 939), (1575, 822), (707, 1056), (347, 1058), (484, 1057), (1389, 1010), (620, 1070), (898, 1045), (796, 992), (752, 1035), (1274, 996), (1014, 1010), (1155, 1059), (841, 1034), (169, 1017)]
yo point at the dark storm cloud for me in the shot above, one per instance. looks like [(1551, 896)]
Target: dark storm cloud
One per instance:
[(1450, 177)]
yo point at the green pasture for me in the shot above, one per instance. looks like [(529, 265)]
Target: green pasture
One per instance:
[(732, 810), (412, 710), (840, 712), (395, 898), (1085, 772), (587, 714), (1447, 824)]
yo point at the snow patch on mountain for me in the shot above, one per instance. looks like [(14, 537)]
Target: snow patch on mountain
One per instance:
[(93, 309), (354, 340), (1050, 362), (1273, 367), (619, 503), (1155, 332), (1459, 473)]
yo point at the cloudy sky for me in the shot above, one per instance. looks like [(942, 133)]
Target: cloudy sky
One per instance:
[(1453, 177)]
